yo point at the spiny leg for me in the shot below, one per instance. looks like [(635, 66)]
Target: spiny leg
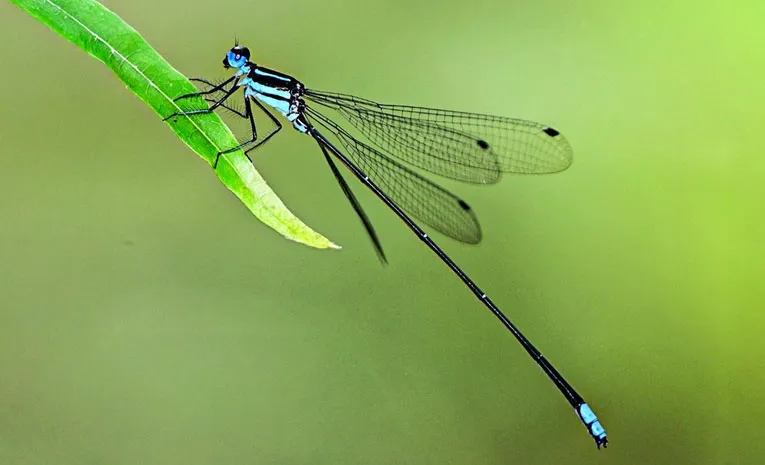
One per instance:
[(277, 128), (206, 110), (249, 114), (213, 88), (229, 108)]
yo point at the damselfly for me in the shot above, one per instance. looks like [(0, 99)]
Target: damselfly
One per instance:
[(467, 147)]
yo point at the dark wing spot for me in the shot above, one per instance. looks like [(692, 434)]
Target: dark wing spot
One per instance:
[(482, 143), (550, 132), (464, 205)]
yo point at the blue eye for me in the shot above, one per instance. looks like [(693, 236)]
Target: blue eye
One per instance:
[(236, 58)]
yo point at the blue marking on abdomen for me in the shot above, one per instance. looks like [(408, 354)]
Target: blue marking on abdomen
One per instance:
[(589, 419)]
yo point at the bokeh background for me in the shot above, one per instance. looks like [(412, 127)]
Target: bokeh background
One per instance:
[(147, 317)]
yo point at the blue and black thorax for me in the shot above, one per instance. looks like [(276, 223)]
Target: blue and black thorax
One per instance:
[(277, 90)]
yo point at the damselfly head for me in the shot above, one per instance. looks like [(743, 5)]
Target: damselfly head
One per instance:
[(236, 57)]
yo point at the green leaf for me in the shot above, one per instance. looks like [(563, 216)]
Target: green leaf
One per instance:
[(102, 34)]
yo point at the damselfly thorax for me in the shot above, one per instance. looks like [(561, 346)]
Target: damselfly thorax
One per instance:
[(279, 91)]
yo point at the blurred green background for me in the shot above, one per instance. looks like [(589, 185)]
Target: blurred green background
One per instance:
[(147, 317)]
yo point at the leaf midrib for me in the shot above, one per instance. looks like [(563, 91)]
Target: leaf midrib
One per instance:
[(145, 77)]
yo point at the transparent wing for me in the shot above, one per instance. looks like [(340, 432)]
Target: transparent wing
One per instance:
[(468, 147), (418, 196)]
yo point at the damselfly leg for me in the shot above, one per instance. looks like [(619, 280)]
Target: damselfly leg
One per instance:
[(213, 88), (202, 111), (253, 127), (222, 102)]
